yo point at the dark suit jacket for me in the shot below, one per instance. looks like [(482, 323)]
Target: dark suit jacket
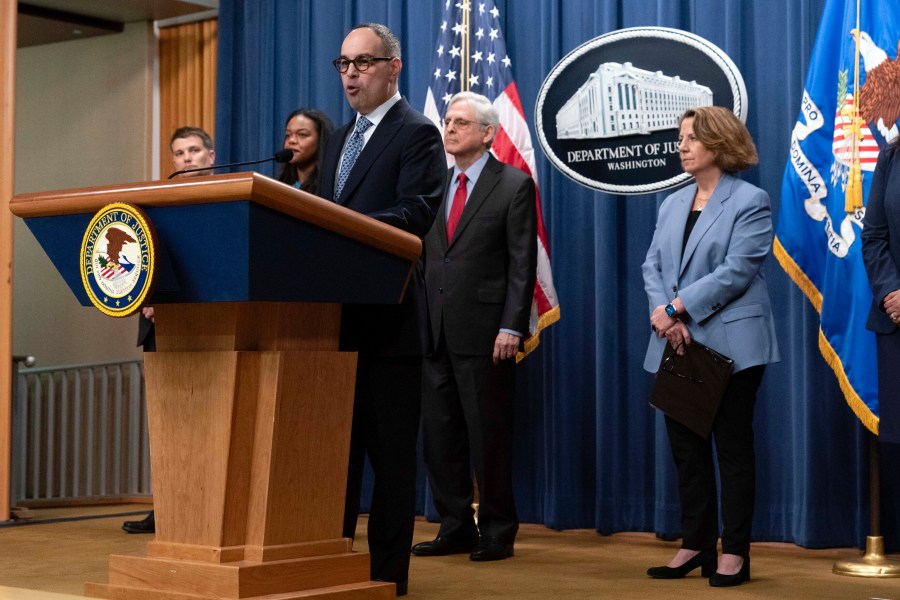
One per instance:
[(398, 179), (881, 237), (483, 279), (146, 333)]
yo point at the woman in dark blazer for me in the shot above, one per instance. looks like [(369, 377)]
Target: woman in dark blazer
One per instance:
[(881, 254), (704, 282)]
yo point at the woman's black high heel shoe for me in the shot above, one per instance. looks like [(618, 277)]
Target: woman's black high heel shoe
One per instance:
[(719, 580), (706, 560)]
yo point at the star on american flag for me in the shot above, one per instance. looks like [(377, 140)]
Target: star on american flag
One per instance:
[(485, 72)]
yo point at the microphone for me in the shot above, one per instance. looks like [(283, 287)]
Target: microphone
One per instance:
[(282, 156)]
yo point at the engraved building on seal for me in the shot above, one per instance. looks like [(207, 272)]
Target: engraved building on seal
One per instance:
[(621, 99)]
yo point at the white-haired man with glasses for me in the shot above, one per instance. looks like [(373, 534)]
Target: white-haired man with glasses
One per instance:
[(480, 266), (387, 163)]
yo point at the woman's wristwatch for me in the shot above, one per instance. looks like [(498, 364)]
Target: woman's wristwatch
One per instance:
[(671, 310)]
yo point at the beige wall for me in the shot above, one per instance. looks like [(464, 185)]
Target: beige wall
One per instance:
[(83, 118)]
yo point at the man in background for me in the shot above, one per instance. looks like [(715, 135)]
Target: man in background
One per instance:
[(191, 148), (389, 164), (480, 266)]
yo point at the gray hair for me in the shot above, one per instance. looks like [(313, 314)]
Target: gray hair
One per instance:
[(485, 112), (388, 40)]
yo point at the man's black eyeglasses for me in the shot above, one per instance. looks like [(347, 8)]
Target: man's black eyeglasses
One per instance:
[(362, 63)]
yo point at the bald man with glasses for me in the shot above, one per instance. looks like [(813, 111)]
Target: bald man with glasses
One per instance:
[(387, 163)]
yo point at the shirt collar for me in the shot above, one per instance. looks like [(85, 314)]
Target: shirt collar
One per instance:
[(378, 114), (474, 170)]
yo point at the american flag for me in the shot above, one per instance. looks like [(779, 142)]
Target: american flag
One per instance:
[(471, 56)]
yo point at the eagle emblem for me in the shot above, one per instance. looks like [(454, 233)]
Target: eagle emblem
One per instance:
[(876, 102), (879, 96), (117, 259)]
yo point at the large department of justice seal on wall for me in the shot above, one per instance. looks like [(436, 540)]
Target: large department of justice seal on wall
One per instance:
[(607, 114), (118, 256)]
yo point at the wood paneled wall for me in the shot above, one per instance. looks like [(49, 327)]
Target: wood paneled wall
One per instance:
[(8, 14), (187, 82)]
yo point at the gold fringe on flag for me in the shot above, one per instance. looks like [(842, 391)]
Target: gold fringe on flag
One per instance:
[(531, 342), (856, 404), (797, 274), (859, 408)]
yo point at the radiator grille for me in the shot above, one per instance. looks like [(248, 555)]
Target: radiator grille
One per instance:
[(80, 433)]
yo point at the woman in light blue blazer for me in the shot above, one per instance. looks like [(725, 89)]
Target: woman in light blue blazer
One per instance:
[(704, 281)]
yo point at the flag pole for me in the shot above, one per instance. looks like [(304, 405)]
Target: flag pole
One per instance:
[(873, 563), (853, 198), (464, 42)]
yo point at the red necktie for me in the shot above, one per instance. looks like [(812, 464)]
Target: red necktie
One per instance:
[(456, 209)]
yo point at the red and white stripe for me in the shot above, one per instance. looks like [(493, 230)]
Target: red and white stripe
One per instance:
[(513, 146), (842, 144), (112, 271)]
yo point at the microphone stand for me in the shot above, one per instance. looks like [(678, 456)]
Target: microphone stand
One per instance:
[(278, 157)]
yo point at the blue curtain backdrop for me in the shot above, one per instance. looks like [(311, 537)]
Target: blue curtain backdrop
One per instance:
[(590, 452)]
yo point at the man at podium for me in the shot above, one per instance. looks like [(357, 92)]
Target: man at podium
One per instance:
[(389, 164)]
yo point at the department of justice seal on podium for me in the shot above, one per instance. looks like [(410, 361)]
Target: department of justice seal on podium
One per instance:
[(118, 259)]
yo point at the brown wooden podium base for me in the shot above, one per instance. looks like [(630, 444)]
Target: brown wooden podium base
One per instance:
[(335, 577), (250, 408)]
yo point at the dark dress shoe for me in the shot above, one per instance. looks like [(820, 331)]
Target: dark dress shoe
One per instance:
[(441, 546), (491, 548), (402, 586), (145, 525), (719, 580), (706, 560)]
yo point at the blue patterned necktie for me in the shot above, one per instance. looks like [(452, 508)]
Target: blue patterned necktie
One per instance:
[(354, 147)]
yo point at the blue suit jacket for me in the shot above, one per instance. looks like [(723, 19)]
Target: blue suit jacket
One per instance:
[(881, 237), (719, 277), (398, 178)]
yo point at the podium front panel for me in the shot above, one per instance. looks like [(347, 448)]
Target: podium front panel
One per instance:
[(241, 252)]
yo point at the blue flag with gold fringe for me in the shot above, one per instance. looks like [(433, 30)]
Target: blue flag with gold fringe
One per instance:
[(848, 113)]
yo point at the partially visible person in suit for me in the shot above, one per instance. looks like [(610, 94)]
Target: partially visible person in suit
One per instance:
[(881, 254), (480, 266), (305, 132), (387, 163), (704, 281), (191, 148)]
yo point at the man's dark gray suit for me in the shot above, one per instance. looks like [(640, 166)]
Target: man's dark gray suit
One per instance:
[(477, 283), (397, 179)]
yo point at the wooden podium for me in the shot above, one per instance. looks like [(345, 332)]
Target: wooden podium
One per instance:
[(249, 400)]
